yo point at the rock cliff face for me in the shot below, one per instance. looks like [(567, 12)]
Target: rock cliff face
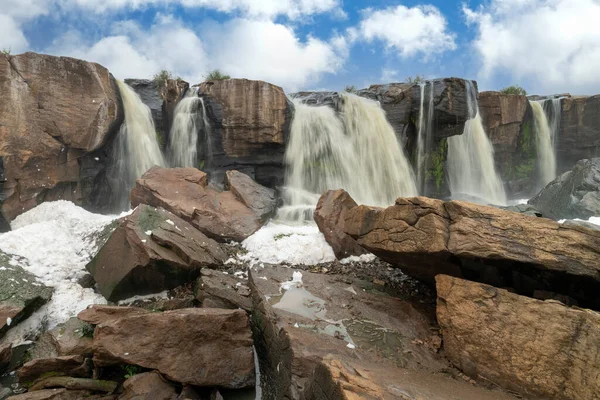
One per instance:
[(579, 134), (161, 97), (250, 123), (55, 112)]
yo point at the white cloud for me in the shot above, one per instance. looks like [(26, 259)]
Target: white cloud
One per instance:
[(409, 31), (242, 48), (250, 8), (11, 35), (552, 44)]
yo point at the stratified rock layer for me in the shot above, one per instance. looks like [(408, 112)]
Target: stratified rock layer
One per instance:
[(538, 347), (152, 250), (426, 237), (249, 126), (54, 112)]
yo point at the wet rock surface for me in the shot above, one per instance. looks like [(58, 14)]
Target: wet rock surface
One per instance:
[(330, 216), (202, 347), (20, 294), (220, 215), (426, 237), (214, 289), (541, 348), (574, 194), (74, 366), (151, 250)]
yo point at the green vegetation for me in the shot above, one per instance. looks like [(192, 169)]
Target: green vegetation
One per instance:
[(201, 165), (350, 89), (416, 79), (527, 155), (149, 219), (86, 330), (514, 89), (6, 52), (281, 236), (131, 370), (160, 139), (161, 78), (438, 159), (216, 75)]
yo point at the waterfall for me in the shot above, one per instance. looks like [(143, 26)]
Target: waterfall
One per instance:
[(424, 136), (471, 170), (183, 138), (356, 150), (545, 151), (554, 109), (136, 149)]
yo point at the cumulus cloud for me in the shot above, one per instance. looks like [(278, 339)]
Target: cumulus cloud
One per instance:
[(553, 44), (11, 35), (409, 31), (254, 49), (13, 14)]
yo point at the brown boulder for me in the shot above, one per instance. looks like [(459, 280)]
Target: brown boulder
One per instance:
[(152, 250), (75, 366), (249, 124), (201, 347), (148, 386), (330, 216), (58, 394), (426, 237), (579, 133), (74, 337), (184, 192), (258, 198), (54, 111), (5, 356), (540, 347)]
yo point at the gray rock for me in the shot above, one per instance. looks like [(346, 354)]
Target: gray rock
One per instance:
[(20, 294), (574, 194)]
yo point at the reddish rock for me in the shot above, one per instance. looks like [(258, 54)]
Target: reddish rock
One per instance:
[(5, 356), (201, 347), (217, 290), (148, 386), (58, 394), (258, 198), (330, 217), (541, 348), (183, 191), (97, 314), (150, 251), (425, 237), (54, 111)]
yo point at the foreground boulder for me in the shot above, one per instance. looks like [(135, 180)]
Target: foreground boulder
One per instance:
[(538, 347), (152, 250), (55, 111), (330, 216), (20, 294), (426, 237), (321, 338), (148, 386), (250, 121), (221, 215), (574, 194), (198, 346)]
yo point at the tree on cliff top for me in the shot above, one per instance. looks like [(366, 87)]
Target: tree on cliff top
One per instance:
[(416, 79), (514, 89), (161, 77), (216, 75)]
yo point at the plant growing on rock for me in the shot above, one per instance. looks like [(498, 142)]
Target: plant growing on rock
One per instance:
[(350, 89), (216, 75), (514, 89), (6, 52), (131, 370), (416, 79)]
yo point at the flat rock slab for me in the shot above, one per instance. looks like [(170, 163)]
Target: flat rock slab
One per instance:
[(150, 251), (97, 314), (184, 192), (426, 237), (214, 289), (198, 346), (75, 366), (58, 394), (305, 325), (537, 347), (148, 386), (20, 294)]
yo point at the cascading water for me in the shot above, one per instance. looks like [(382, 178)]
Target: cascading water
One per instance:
[(183, 138), (424, 136), (356, 150), (553, 109), (471, 170), (545, 151), (136, 149)]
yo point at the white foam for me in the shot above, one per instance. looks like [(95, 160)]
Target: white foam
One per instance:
[(365, 258), (592, 220), (276, 243), (52, 241)]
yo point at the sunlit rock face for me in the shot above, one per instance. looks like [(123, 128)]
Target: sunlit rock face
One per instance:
[(55, 113)]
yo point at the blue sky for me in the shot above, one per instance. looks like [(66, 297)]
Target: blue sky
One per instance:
[(546, 46)]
